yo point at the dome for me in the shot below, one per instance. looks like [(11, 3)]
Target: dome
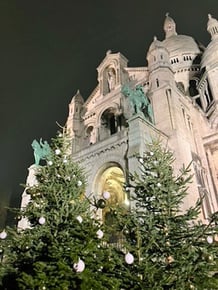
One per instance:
[(212, 26), (181, 44), (177, 44), (155, 44), (210, 55)]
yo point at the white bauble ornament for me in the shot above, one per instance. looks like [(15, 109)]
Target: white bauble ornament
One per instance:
[(210, 258), (151, 153), (41, 220), (50, 162), (100, 234), (57, 151), (129, 258), (158, 184), (79, 218), (79, 267), (3, 235), (141, 160), (210, 239), (106, 195), (154, 174), (79, 183)]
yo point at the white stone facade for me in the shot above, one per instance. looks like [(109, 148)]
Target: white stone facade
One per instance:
[(180, 84)]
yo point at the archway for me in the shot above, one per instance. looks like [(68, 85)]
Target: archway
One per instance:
[(108, 123), (111, 179)]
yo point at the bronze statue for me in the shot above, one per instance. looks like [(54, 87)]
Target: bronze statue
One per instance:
[(41, 150), (139, 102)]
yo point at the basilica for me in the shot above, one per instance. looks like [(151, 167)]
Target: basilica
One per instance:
[(174, 98)]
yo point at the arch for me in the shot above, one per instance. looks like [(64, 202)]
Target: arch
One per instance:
[(113, 107), (90, 135), (109, 76), (193, 87), (111, 178), (108, 122)]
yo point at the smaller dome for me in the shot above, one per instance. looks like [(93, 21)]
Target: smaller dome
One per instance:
[(77, 97), (210, 55), (155, 44), (181, 44), (212, 26)]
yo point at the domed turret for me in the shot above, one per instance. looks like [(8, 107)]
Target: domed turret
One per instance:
[(157, 54), (74, 123), (184, 54), (155, 44), (178, 44), (212, 26), (159, 64), (210, 56)]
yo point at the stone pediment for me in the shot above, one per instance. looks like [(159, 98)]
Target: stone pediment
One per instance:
[(112, 59), (93, 97)]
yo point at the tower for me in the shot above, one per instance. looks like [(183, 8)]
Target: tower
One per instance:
[(74, 121)]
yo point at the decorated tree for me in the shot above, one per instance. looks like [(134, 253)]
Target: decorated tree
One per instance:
[(168, 248), (63, 245)]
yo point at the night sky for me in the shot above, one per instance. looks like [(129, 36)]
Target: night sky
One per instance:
[(51, 48)]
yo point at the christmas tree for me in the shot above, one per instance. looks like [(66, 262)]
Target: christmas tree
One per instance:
[(151, 246), (63, 246), (168, 248)]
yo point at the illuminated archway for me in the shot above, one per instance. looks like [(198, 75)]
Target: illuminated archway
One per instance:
[(111, 179)]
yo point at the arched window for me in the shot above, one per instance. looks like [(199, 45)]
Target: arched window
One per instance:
[(108, 124), (193, 88), (90, 135)]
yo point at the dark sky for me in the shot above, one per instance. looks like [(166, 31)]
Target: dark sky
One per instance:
[(50, 48)]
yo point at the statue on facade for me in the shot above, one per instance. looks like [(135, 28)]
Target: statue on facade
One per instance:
[(41, 150), (111, 79), (139, 102)]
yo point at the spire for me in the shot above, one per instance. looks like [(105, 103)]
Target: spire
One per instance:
[(212, 26), (77, 97), (169, 26)]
